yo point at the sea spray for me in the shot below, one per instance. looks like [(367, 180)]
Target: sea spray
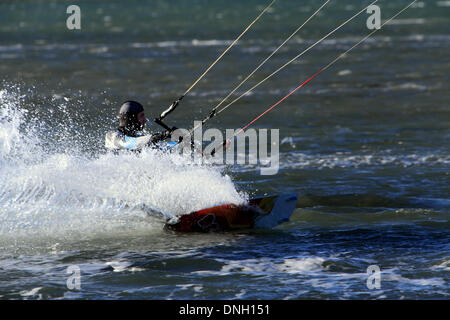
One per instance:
[(59, 191)]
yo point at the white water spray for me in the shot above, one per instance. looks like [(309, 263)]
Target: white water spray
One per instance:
[(71, 194)]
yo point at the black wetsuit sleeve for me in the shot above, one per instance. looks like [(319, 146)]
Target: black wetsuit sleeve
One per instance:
[(160, 136)]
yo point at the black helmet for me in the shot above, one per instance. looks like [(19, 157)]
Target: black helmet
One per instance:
[(128, 120)]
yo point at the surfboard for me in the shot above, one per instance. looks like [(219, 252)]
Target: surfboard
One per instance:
[(264, 212)]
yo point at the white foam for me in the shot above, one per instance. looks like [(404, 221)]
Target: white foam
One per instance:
[(406, 21), (183, 43), (419, 4), (302, 265), (119, 266), (266, 266), (345, 160), (11, 47), (344, 72), (445, 265), (406, 86), (32, 293), (415, 282), (61, 194)]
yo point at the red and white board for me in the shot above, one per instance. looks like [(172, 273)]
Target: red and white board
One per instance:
[(265, 212)]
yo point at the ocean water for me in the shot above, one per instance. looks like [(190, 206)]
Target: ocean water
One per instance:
[(365, 144)]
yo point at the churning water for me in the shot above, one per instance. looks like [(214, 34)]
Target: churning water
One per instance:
[(365, 144)]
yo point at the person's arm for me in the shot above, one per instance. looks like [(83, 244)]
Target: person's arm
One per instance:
[(116, 141), (132, 143), (160, 136)]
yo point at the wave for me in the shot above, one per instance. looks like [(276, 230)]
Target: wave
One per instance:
[(407, 21), (339, 160), (249, 45), (268, 266), (298, 160)]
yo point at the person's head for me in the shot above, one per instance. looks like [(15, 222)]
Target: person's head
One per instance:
[(131, 117)]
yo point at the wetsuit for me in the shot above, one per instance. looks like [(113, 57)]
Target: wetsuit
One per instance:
[(119, 140)]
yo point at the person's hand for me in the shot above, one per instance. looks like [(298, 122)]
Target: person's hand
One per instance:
[(167, 134)]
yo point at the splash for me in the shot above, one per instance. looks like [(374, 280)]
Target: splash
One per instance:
[(61, 191), (15, 142)]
